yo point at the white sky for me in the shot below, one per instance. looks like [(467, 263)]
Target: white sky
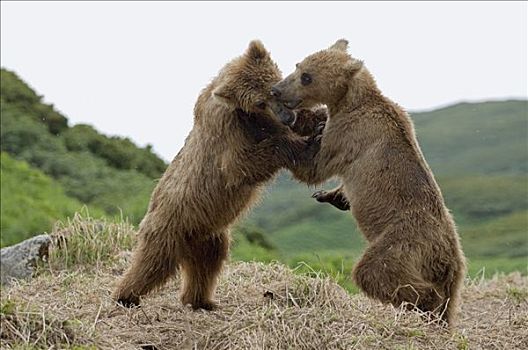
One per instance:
[(136, 68)]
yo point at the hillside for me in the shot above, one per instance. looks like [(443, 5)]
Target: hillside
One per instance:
[(69, 305), (31, 202), (475, 138), (108, 173)]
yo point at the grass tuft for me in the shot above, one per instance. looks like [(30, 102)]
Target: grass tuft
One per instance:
[(86, 242)]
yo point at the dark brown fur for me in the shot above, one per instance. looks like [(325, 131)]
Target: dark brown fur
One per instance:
[(336, 197), (307, 123), (234, 148), (414, 254), (309, 120)]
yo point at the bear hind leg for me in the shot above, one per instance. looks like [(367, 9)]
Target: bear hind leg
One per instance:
[(200, 269), (152, 264), (388, 279)]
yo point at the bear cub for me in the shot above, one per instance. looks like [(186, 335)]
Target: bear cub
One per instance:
[(239, 141), (413, 254)]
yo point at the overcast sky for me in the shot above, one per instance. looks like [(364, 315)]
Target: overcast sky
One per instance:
[(136, 68)]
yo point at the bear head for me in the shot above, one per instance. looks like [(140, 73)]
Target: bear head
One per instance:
[(321, 78), (245, 84)]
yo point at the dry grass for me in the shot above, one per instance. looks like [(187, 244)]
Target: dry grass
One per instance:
[(263, 307)]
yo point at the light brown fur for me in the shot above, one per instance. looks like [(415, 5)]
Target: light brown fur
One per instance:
[(414, 254), (236, 145)]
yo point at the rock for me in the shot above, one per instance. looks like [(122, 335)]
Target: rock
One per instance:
[(19, 261)]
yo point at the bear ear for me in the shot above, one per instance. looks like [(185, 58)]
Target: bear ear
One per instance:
[(340, 45), (256, 50), (353, 66), (222, 94)]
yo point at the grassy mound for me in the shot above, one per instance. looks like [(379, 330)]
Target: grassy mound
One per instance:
[(263, 306)]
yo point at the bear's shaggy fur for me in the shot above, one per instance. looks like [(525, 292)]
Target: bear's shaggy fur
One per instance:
[(236, 145), (414, 254)]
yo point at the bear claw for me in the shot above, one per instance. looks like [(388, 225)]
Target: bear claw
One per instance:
[(207, 306), (320, 127), (319, 195), (129, 302)]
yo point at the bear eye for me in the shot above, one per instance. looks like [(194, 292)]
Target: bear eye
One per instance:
[(261, 105), (306, 79)]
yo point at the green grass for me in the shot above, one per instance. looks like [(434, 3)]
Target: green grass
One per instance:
[(252, 245), (477, 199), (490, 266), (30, 201), (336, 264), (505, 237)]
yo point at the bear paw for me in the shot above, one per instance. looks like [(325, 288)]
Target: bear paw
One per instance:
[(206, 305), (320, 196), (335, 198), (129, 302)]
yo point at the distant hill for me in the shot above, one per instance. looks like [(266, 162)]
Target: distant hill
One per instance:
[(475, 138), (20, 104), (109, 173)]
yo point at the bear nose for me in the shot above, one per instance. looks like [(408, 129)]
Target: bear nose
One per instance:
[(275, 91)]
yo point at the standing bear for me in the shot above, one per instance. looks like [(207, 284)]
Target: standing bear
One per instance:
[(237, 144), (414, 254)]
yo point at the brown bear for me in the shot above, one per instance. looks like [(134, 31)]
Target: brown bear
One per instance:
[(236, 145), (414, 254)]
